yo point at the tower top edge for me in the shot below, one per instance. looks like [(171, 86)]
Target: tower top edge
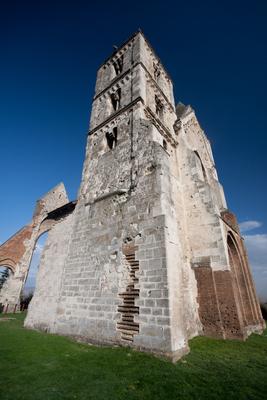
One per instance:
[(138, 32)]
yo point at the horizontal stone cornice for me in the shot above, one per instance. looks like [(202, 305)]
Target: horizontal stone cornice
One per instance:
[(159, 125), (124, 74), (128, 43), (112, 83), (116, 114), (149, 113)]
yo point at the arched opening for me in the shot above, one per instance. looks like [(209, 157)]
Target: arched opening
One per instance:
[(112, 138), (200, 167), (237, 268), (30, 283), (6, 273)]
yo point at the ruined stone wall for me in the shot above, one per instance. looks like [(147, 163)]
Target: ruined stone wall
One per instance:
[(97, 272), (222, 275), (127, 200), (155, 69), (144, 259), (127, 197), (203, 196), (17, 251), (43, 308), (136, 51), (12, 250)]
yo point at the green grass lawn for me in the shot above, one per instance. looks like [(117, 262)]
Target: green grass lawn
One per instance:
[(37, 366)]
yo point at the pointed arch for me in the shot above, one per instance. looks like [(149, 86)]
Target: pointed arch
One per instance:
[(200, 167), (240, 279), (7, 262)]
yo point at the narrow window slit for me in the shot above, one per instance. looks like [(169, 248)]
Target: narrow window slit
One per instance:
[(118, 65), (115, 99), (156, 71), (112, 138), (159, 107), (165, 145)]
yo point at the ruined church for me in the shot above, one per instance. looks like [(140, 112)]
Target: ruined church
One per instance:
[(149, 255)]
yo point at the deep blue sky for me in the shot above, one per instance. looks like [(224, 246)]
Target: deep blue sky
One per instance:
[(214, 51)]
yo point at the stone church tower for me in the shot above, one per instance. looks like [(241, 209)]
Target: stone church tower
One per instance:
[(150, 256)]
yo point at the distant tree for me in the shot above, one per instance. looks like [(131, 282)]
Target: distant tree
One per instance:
[(264, 310), (25, 300), (4, 275)]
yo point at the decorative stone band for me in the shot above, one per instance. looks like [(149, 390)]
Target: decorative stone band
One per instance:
[(116, 114), (113, 83), (148, 76), (127, 45), (159, 125), (158, 91), (150, 115)]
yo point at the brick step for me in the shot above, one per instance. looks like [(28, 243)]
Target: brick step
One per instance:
[(130, 318), (132, 290), (127, 338), (128, 310), (127, 314), (128, 323), (128, 303), (129, 298), (127, 327), (132, 280), (133, 262), (125, 306), (127, 295), (128, 331)]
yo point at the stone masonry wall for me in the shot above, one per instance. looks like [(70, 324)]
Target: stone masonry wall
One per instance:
[(96, 271), (144, 259), (19, 248), (44, 305)]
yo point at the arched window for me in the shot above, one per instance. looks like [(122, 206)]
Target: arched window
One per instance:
[(118, 65), (30, 282), (200, 167), (5, 273), (159, 107), (165, 145), (112, 138)]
